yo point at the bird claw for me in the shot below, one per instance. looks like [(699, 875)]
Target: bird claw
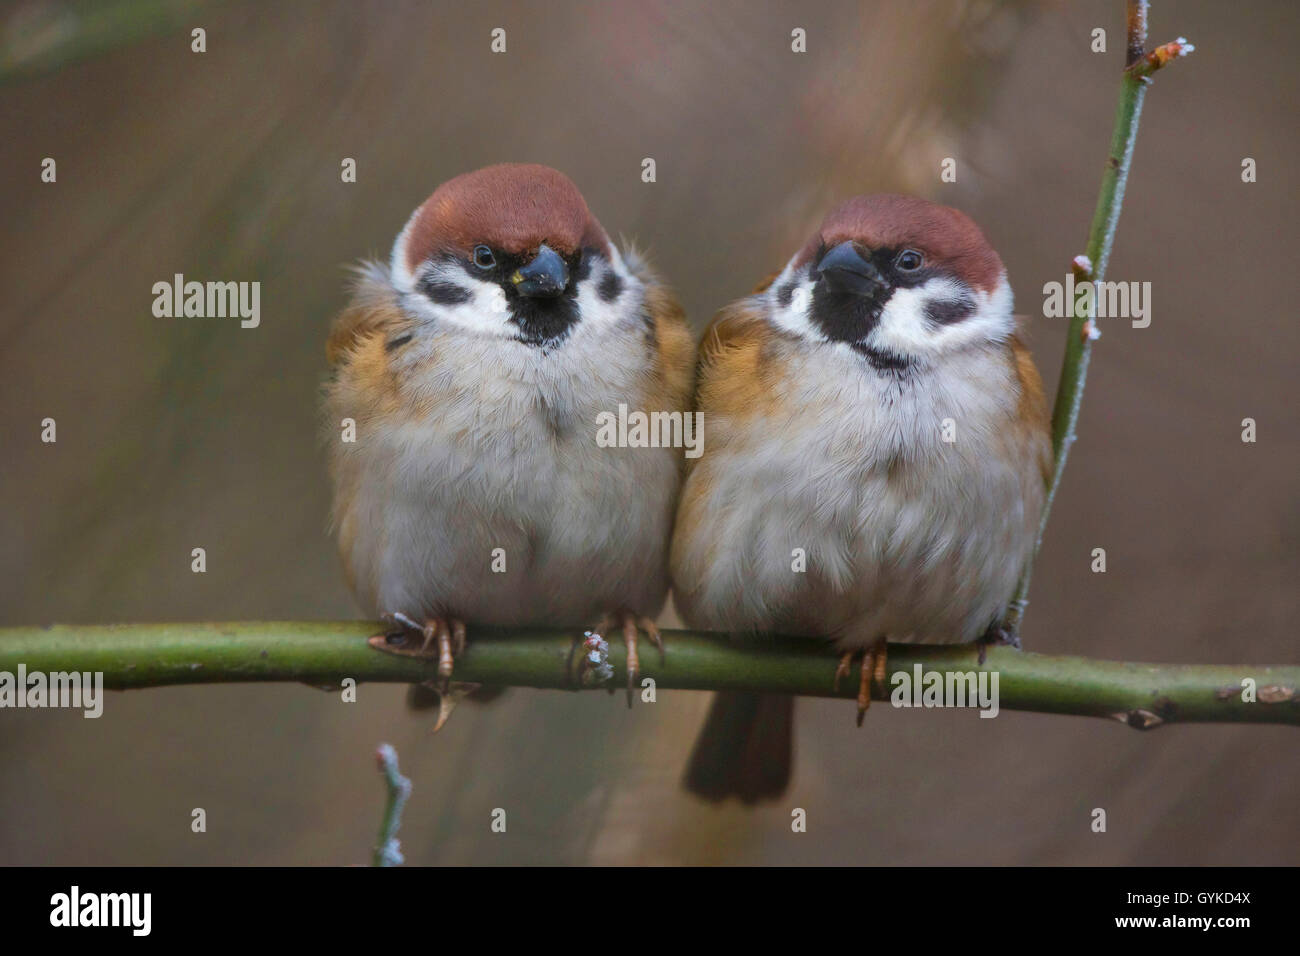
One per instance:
[(873, 671), (440, 639), (996, 635), (844, 667)]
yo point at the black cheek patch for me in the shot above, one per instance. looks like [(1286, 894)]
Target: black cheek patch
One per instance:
[(785, 295), (949, 311), (444, 293), (611, 286)]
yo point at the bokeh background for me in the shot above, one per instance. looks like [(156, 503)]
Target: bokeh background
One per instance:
[(176, 433)]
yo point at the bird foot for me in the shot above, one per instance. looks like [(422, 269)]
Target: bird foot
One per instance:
[(873, 671), (438, 638), (996, 635)]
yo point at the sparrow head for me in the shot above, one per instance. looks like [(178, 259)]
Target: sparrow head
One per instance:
[(508, 251), (899, 280)]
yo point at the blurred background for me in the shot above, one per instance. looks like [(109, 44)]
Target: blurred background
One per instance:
[(183, 433)]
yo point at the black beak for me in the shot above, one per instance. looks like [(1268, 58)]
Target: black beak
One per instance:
[(846, 269), (545, 277)]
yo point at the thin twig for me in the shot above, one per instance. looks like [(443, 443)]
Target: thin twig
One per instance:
[(1091, 267), (388, 851)]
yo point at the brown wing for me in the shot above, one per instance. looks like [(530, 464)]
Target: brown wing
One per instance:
[(738, 325), (371, 311), (1033, 403), (672, 337), (732, 363)]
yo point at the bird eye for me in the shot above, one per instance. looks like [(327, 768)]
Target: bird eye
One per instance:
[(483, 257), (909, 260)]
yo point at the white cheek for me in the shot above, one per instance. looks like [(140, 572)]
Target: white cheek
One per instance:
[(493, 299), (905, 330), (794, 318), (596, 312), (903, 327), (485, 313)]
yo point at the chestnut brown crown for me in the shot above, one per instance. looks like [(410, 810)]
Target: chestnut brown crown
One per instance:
[(949, 239), (511, 207)]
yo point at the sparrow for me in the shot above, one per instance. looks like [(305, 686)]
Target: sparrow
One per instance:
[(474, 365), (876, 467)]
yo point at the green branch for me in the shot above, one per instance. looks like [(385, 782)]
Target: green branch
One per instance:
[(324, 653), (1091, 266)]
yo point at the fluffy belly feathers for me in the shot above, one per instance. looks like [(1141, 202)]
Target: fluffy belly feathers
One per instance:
[(508, 516), (854, 519)]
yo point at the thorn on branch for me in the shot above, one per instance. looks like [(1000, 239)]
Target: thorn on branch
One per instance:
[(1139, 719), (448, 699)]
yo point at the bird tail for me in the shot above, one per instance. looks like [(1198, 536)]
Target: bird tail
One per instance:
[(745, 749)]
